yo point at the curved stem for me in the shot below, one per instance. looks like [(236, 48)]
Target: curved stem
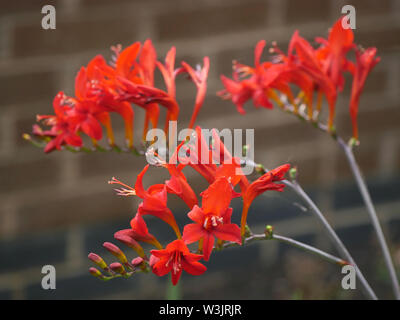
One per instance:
[(372, 213), (333, 236), (331, 233), (322, 254)]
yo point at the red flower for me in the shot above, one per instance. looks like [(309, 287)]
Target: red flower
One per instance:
[(175, 258), (213, 220), (259, 186), (62, 129), (102, 88), (199, 77), (309, 63), (332, 53), (97, 84), (366, 61), (154, 202), (178, 183)]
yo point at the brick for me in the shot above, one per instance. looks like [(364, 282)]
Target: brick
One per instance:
[(367, 160), (58, 213), (307, 11), (379, 120), (14, 7), (35, 251), (244, 55), (366, 8), (24, 176), (286, 134), (97, 3), (73, 36), (110, 164), (28, 87), (384, 40), (309, 170), (212, 20)]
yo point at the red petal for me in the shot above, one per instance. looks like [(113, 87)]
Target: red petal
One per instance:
[(160, 268), (175, 276), (208, 245), (197, 215), (193, 267), (217, 197), (193, 232), (228, 232)]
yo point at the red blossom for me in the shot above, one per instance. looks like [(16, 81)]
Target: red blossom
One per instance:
[(175, 258), (259, 186), (366, 61), (319, 70), (213, 219), (102, 88)]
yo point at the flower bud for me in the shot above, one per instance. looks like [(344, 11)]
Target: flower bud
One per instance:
[(115, 251), (137, 261), (96, 273), (130, 242), (293, 173), (97, 260), (118, 268), (269, 232)]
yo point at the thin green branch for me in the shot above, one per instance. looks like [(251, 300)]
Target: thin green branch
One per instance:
[(330, 231), (305, 247), (372, 213)]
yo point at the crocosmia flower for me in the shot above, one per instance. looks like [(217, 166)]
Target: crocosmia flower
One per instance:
[(315, 71), (206, 221), (119, 86), (213, 220), (175, 258)]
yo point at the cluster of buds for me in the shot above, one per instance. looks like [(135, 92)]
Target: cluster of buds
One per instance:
[(314, 71), (209, 221), (102, 88)]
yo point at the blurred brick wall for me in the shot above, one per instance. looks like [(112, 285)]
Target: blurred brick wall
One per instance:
[(56, 208)]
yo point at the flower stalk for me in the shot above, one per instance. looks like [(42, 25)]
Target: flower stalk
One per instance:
[(289, 241), (348, 150), (295, 186)]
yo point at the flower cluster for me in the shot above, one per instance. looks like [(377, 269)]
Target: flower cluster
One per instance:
[(314, 71), (102, 88), (210, 219)]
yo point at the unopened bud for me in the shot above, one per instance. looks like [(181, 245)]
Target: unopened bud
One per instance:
[(139, 262), (96, 273), (115, 251), (130, 242), (153, 260), (247, 231), (117, 267), (353, 142), (260, 169), (97, 260), (269, 232), (293, 173)]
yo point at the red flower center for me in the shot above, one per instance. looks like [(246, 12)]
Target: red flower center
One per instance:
[(175, 259), (210, 222)]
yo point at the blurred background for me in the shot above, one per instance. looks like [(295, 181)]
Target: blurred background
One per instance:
[(56, 208)]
